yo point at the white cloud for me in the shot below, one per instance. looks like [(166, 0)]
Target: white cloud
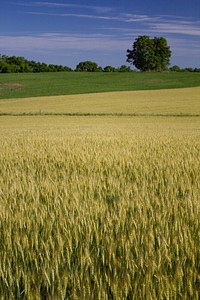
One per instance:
[(182, 47), (71, 15), (98, 9), (128, 18), (158, 25), (154, 23), (56, 42), (177, 28)]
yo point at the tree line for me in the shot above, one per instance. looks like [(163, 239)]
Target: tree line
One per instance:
[(147, 54), (18, 64)]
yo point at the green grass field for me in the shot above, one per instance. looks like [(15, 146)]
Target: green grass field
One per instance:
[(50, 84), (99, 196)]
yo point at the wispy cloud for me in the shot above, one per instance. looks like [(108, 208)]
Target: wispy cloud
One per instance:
[(50, 41), (176, 25), (158, 24), (181, 47), (71, 15), (128, 18), (58, 41), (168, 24), (98, 9), (108, 13), (177, 28)]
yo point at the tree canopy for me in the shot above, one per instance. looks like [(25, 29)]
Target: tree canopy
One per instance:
[(149, 54), (87, 66), (18, 64)]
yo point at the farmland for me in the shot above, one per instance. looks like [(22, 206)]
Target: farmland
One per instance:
[(67, 83), (173, 102), (99, 196)]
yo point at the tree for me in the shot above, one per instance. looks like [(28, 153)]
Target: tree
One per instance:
[(196, 70), (124, 68), (87, 66), (149, 54), (109, 69), (175, 68)]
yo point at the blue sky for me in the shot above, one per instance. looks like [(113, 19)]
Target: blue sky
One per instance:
[(67, 32)]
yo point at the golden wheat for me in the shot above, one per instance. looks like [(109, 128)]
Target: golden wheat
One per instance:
[(175, 101), (96, 214)]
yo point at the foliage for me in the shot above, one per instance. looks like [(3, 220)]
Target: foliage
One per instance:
[(149, 54), (99, 208), (124, 68), (87, 66), (178, 69), (109, 69), (14, 64), (175, 68)]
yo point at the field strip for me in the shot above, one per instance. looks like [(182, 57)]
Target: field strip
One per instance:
[(96, 115), (175, 102)]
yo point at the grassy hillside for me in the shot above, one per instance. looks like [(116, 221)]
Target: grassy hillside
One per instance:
[(49, 84)]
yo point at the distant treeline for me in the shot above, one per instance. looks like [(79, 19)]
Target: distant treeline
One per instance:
[(178, 69), (18, 64)]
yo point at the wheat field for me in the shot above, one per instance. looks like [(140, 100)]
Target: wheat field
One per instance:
[(165, 102), (103, 207)]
